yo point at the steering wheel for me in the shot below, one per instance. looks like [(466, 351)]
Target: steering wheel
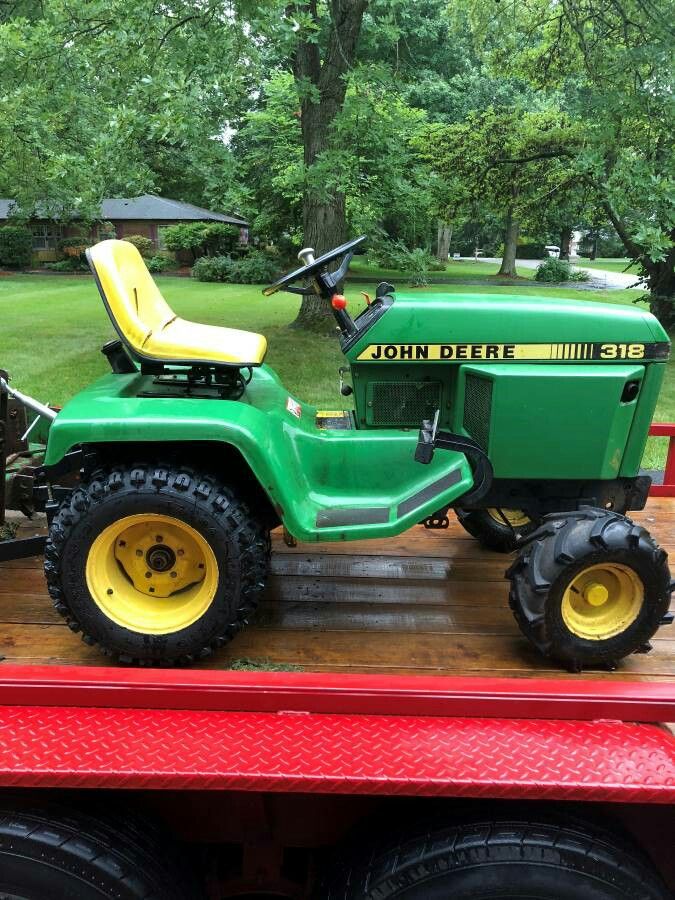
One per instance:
[(325, 283)]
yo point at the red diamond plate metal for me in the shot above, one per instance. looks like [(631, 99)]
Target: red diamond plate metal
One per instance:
[(329, 692), (329, 753)]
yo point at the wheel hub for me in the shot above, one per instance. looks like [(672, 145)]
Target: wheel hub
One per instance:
[(160, 558), (152, 573), (596, 594), (602, 601)]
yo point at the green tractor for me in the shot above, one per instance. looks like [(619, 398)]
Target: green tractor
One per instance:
[(527, 416)]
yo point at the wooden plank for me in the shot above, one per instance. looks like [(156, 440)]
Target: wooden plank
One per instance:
[(337, 607), (342, 651)]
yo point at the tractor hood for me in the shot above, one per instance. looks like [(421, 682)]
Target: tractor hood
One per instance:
[(461, 327)]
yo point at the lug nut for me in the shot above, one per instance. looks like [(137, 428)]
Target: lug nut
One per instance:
[(139, 553), (148, 574), (174, 574), (159, 538)]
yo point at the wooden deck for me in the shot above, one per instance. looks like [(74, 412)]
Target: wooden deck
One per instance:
[(428, 602)]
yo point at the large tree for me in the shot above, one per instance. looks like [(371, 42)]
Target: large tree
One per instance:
[(103, 97), (612, 62), (323, 55), (506, 162)]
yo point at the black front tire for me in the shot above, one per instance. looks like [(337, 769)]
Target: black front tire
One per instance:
[(62, 854), (491, 531), (238, 541), (553, 556), (508, 859)]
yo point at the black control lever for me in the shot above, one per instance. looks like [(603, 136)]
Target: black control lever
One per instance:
[(431, 439)]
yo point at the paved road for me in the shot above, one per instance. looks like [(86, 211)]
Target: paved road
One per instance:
[(599, 277)]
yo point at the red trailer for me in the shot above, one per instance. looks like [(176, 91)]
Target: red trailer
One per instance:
[(216, 783)]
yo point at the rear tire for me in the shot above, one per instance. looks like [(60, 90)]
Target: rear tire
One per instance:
[(510, 859), (490, 529), (151, 598), (590, 587), (62, 854)]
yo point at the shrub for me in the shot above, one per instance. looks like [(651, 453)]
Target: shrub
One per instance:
[(219, 239), (157, 264), (418, 262), (390, 255), (202, 238), (142, 243), (558, 270), (184, 236), (213, 268), (16, 246), (254, 268), (106, 230), (71, 264), (74, 246)]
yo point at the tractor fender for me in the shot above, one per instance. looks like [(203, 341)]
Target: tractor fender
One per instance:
[(324, 485)]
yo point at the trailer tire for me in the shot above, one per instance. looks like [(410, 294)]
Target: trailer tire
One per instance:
[(60, 854), (487, 859), (571, 552), (487, 526), (217, 552)]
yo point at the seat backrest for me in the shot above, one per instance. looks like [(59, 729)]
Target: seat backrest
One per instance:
[(130, 295)]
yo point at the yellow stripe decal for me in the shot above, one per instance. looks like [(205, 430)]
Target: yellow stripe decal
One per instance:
[(483, 352)]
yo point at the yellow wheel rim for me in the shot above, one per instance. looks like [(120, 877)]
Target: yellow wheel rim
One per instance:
[(602, 601), (515, 517), (152, 573)]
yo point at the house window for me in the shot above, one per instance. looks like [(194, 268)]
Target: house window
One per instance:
[(45, 237), (160, 236)]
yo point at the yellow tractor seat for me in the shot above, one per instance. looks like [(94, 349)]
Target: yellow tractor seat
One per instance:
[(148, 326)]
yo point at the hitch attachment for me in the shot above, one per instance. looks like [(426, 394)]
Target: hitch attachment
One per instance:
[(27, 401), (431, 439)]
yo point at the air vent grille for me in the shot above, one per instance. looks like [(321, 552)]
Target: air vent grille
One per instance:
[(404, 403), (478, 409)]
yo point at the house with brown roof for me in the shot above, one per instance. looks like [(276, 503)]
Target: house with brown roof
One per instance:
[(147, 215)]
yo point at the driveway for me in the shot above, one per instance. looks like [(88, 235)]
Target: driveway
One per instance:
[(599, 278)]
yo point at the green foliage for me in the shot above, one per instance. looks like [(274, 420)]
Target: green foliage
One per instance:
[(558, 270), (416, 264), (213, 268), (157, 264), (74, 247), (202, 238), (70, 264), (16, 246), (143, 244), (111, 99), (255, 268), (527, 250), (106, 231)]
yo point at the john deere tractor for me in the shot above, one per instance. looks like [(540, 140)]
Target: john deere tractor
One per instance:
[(527, 416)]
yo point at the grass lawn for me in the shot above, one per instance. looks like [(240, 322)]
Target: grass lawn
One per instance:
[(462, 270), (609, 265), (53, 328)]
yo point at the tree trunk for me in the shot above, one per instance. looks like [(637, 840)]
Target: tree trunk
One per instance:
[(660, 275), (594, 245), (444, 238), (323, 219), (565, 240), (662, 289), (508, 266)]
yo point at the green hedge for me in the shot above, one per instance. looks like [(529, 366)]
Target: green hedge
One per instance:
[(16, 246)]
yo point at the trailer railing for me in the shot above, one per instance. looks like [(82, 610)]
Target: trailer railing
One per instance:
[(667, 489)]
